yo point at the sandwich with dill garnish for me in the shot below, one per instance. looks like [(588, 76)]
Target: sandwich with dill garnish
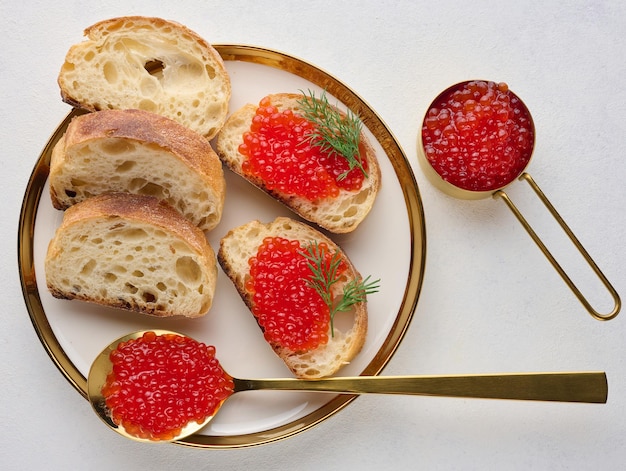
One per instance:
[(304, 292), (306, 153)]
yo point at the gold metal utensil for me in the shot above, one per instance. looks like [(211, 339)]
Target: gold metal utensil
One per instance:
[(580, 387), (461, 193)]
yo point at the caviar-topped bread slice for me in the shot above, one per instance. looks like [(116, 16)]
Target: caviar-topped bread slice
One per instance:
[(299, 286), (151, 64), (132, 252), (306, 153), (140, 152)]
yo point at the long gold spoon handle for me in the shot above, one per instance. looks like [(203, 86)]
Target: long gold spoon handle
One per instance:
[(589, 387)]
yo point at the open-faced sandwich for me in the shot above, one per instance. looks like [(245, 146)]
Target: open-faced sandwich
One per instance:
[(300, 286), (307, 154)]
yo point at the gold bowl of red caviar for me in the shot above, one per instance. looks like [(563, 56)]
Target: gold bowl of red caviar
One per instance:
[(477, 137)]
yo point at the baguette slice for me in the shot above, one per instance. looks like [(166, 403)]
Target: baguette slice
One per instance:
[(132, 252), (138, 152), (338, 215), (243, 242), (151, 64)]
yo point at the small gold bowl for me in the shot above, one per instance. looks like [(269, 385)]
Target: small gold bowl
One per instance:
[(497, 190), (444, 184)]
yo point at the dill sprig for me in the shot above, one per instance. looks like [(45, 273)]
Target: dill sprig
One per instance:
[(324, 274), (334, 133)]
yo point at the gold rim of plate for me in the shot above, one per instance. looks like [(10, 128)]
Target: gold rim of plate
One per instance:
[(413, 286)]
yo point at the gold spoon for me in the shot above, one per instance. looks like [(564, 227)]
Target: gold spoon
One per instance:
[(584, 387)]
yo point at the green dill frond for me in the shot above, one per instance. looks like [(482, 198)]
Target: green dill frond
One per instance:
[(324, 275), (334, 133)]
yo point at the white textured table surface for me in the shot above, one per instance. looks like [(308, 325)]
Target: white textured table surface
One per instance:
[(490, 301)]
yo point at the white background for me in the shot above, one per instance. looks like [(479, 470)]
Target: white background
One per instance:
[(490, 301)]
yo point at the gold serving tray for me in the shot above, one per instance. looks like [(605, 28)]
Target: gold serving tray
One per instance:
[(401, 196)]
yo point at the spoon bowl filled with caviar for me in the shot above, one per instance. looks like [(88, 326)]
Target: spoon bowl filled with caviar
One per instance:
[(162, 386), (476, 138)]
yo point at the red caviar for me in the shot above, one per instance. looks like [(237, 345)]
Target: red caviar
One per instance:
[(291, 313), (478, 136), (160, 383), (277, 151)]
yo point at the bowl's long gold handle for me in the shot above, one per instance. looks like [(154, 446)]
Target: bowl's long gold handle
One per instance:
[(575, 241), (588, 387)]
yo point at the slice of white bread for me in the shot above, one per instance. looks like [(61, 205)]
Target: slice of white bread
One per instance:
[(151, 64), (338, 215), (242, 243), (138, 152), (132, 252)]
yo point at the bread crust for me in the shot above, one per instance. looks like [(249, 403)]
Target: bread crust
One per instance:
[(241, 243), (131, 48), (338, 215), (148, 130), (139, 208), (118, 209)]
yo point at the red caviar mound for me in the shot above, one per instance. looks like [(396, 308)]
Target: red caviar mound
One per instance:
[(292, 314), (478, 136), (277, 149), (160, 383)]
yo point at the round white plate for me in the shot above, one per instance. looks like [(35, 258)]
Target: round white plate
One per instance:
[(390, 244)]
